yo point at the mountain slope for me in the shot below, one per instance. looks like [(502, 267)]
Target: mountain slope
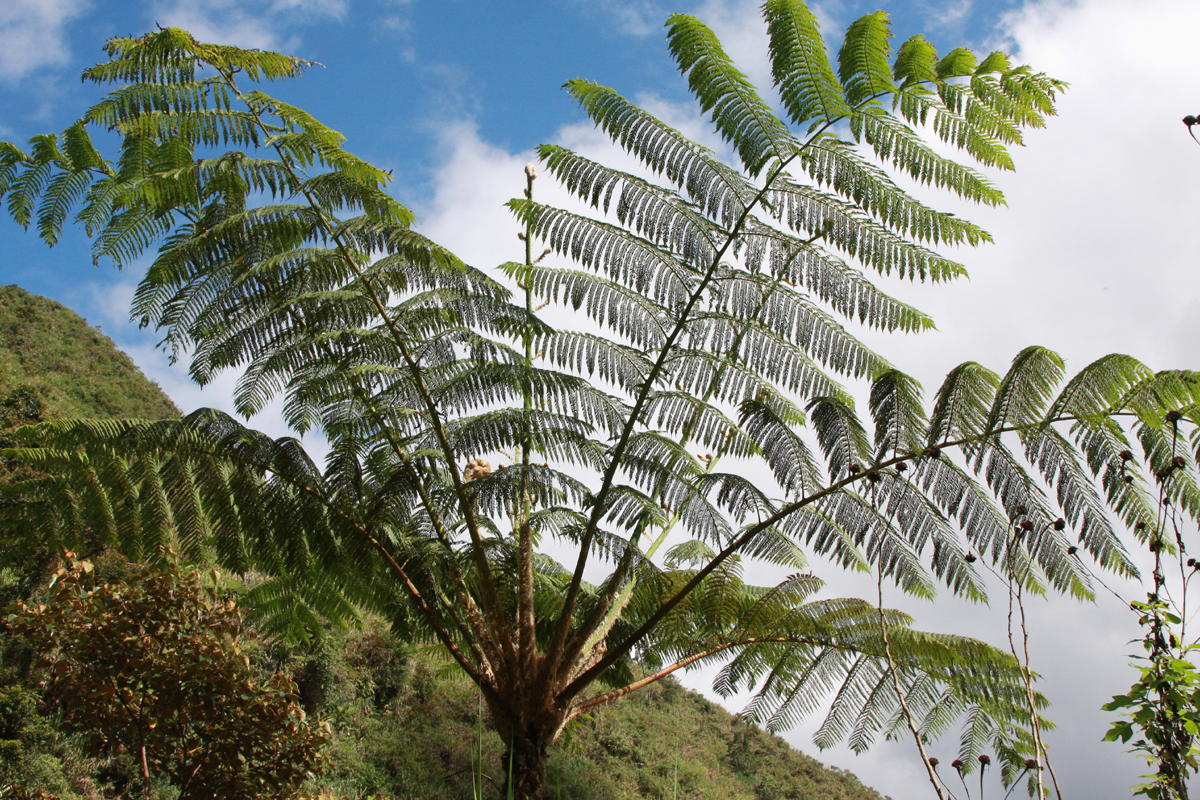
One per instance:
[(53, 364)]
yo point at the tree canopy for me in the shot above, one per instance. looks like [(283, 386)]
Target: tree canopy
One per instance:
[(465, 429)]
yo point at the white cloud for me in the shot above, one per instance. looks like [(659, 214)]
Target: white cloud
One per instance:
[(632, 17), (947, 16), (33, 35), (248, 24), (742, 31)]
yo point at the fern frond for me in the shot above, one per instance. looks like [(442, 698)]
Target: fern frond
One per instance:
[(896, 408)]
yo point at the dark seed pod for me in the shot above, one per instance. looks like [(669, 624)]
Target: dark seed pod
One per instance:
[(1177, 462), (957, 764), (1141, 526), (1027, 525), (1173, 416), (874, 477), (1019, 511), (933, 762), (1128, 479), (984, 759), (1126, 455), (1072, 550), (1060, 524), (1031, 764), (854, 469), (901, 467), (969, 558), (1191, 562), (933, 452), (1189, 120)]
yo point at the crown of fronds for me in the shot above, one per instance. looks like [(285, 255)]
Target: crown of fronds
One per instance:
[(464, 425)]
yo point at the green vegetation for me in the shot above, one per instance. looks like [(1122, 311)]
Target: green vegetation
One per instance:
[(151, 668), (53, 365)]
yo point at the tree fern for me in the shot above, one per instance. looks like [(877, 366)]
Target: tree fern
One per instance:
[(698, 426)]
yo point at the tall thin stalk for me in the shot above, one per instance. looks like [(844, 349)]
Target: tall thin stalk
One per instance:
[(908, 717), (1015, 594)]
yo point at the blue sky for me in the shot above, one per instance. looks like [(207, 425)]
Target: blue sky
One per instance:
[(1096, 251)]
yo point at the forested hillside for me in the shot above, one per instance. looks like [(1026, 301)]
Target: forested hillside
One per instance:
[(404, 725)]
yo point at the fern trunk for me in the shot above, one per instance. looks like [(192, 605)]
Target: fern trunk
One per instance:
[(525, 759)]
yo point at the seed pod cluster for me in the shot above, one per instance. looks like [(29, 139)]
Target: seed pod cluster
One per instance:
[(477, 468)]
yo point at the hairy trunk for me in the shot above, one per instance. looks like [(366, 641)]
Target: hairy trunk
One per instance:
[(525, 760)]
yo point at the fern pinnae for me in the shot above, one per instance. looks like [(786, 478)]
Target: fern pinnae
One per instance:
[(889, 239), (629, 259), (27, 185), (857, 689), (864, 59), (921, 522), (740, 115), (1099, 388), (1179, 485), (721, 191), (963, 404), (1082, 506), (898, 414), (896, 143), (657, 214), (1024, 391), (630, 314), (592, 355), (889, 551), (847, 292), (840, 435), (786, 453), (833, 163), (807, 85), (763, 307)]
